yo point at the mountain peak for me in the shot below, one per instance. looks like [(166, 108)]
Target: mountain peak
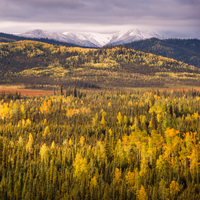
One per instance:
[(36, 31), (91, 39)]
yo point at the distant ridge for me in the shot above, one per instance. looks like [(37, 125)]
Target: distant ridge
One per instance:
[(4, 37), (89, 39), (185, 50)]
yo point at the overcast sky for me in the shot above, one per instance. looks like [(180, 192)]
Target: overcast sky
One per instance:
[(179, 18)]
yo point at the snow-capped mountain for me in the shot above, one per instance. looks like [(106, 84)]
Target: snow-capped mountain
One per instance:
[(89, 39), (71, 38), (96, 38), (127, 36)]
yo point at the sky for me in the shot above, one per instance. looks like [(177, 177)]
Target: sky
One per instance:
[(177, 18)]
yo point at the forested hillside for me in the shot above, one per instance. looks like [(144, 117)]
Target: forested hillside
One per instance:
[(36, 62), (96, 145), (185, 50)]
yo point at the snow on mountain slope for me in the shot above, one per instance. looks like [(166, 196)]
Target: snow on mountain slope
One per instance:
[(96, 38), (89, 39), (71, 38), (127, 36)]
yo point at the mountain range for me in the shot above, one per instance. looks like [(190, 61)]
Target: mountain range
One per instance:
[(5, 37), (185, 50), (89, 39)]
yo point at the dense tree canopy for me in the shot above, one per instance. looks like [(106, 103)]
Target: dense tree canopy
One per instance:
[(101, 145)]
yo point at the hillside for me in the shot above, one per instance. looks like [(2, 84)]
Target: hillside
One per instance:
[(13, 38), (187, 50), (112, 67)]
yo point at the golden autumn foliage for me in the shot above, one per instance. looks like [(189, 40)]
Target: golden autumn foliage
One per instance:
[(95, 68), (130, 178), (142, 194), (80, 147), (117, 179), (174, 188), (29, 145)]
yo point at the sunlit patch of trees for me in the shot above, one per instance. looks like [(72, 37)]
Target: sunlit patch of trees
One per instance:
[(101, 145)]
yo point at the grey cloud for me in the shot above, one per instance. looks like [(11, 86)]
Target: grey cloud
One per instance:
[(49, 3), (189, 2), (94, 10), (160, 13)]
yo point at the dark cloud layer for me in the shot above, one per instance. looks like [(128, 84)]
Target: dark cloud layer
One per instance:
[(163, 14)]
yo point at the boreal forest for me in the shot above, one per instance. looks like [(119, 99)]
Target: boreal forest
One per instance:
[(98, 135), (100, 145)]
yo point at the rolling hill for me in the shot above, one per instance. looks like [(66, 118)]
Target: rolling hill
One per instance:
[(185, 50), (33, 62)]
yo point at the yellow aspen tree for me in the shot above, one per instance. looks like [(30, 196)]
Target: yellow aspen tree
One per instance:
[(130, 179), (1, 149), (70, 142), (103, 121), (160, 164), (117, 179), (80, 166), (125, 120), (44, 150), (51, 170), (94, 121), (82, 141), (162, 188), (170, 134), (20, 141), (131, 120), (144, 161), (110, 132), (93, 182), (194, 161), (158, 118), (46, 131), (142, 194), (53, 145), (29, 145), (174, 188), (28, 122), (157, 140), (104, 114), (119, 118), (150, 150), (188, 140)]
